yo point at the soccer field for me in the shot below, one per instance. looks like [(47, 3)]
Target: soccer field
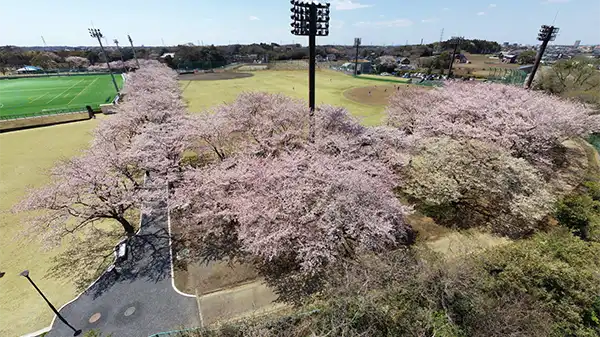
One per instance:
[(30, 96)]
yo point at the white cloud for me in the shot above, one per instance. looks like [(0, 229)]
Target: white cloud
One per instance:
[(445, 9), (382, 16), (430, 20), (392, 23), (346, 5), (481, 13), (493, 5), (253, 18)]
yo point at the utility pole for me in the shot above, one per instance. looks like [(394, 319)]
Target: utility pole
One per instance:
[(310, 19), (357, 41), (133, 49), (547, 34), (456, 41), (94, 32)]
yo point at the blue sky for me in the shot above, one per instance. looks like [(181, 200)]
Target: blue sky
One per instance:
[(65, 22)]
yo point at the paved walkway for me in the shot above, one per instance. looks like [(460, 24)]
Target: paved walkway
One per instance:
[(138, 302)]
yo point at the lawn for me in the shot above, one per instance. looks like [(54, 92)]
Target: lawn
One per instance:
[(25, 96), (25, 156), (330, 88)]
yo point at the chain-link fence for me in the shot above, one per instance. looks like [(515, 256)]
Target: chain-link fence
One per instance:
[(507, 76)]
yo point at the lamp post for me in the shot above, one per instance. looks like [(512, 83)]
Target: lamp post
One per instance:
[(310, 19), (356, 44), (120, 51), (133, 49), (25, 274), (456, 40), (95, 33), (547, 34)]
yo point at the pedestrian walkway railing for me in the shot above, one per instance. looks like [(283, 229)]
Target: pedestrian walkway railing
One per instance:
[(197, 332)]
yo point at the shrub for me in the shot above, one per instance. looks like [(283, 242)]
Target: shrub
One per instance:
[(580, 212), (545, 286)]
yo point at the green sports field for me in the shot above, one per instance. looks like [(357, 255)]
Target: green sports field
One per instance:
[(30, 96)]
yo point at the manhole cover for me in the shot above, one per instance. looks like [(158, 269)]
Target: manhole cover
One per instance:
[(129, 311), (95, 317)]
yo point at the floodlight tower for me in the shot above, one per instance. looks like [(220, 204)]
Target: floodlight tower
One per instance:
[(95, 33), (357, 42), (547, 34), (120, 51), (456, 41), (133, 49), (310, 19)]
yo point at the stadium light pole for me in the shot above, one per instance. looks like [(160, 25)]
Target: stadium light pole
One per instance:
[(356, 44), (133, 49), (547, 34), (120, 52), (456, 40), (25, 274), (310, 19), (94, 32)]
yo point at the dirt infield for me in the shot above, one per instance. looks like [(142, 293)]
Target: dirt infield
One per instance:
[(373, 95), (217, 76)]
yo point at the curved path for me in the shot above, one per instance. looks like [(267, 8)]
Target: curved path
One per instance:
[(139, 300)]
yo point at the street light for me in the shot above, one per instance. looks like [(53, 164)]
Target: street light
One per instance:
[(133, 49), (546, 34), (456, 40), (95, 33), (120, 51), (25, 274), (310, 19)]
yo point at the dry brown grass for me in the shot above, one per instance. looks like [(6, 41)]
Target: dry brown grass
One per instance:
[(204, 278), (249, 299), (373, 95)]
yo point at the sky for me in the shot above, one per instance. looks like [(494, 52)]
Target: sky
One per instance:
[(382, 22)]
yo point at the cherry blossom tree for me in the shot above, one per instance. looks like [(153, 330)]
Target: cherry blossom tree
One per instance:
[(528, 124), (148, 134), (77, 62), (309, 209), (468, 183), (84, 190)]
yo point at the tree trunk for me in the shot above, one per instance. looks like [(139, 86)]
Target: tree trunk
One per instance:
[(129, 229)]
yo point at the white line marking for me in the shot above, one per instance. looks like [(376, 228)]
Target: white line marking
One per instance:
[(171, 252), (87, 86), (38, 98), (64, 91)]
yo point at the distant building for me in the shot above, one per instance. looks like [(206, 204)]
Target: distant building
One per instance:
[(364, 67), (509, 58), (165, 55), (404, 61), (577, 43), (331, 57), (506, 44)]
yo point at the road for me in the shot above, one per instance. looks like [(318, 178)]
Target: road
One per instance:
[(140, 299)]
